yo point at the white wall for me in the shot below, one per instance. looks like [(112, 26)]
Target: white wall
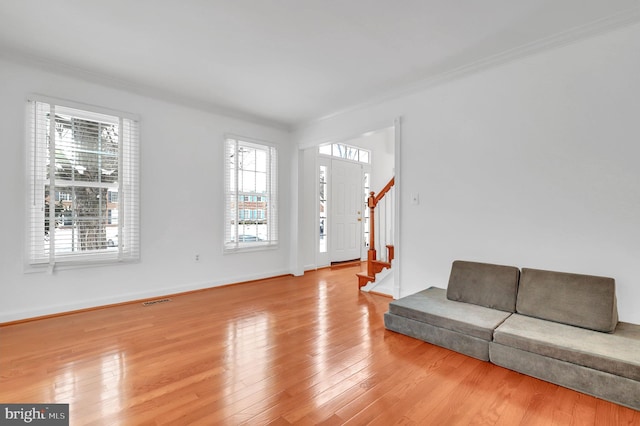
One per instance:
[(532, 163), (383, 146), (380, 142), (181, 195)]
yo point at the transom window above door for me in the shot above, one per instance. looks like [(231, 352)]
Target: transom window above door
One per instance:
[(346, 152)]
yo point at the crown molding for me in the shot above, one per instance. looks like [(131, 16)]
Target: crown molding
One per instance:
[(166, 95), (577, 34), (607, 24)]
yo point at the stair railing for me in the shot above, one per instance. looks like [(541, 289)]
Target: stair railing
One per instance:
[(384, 231)]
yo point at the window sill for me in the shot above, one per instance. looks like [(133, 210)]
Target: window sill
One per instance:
[(65, 265), (249, 247)]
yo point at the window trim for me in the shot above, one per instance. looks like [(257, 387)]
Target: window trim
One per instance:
[(272, 188), (128, 186)]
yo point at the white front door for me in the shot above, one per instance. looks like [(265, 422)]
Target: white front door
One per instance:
[(346, 211)]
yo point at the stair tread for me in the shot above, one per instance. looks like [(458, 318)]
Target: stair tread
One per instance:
[(365, 275)]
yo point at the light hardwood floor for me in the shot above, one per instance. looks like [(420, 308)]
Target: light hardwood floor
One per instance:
[(287, 350)]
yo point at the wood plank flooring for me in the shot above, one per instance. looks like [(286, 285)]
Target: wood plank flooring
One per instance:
[(288, 350)]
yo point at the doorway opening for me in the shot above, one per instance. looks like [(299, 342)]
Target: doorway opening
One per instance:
[(347, 172)]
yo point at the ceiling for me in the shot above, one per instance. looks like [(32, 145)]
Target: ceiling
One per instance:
[(287, 62)]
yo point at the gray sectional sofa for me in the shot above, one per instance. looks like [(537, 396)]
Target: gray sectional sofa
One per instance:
[(558, 327)]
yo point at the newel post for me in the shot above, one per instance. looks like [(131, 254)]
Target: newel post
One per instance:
[(371, 254)]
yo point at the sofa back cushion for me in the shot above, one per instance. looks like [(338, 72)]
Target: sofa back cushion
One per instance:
[(581, 300), (493, 286)]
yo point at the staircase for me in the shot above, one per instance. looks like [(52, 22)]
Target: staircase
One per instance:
[(384, 203)]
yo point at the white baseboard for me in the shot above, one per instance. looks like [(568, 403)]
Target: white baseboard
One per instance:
[(129, 297)]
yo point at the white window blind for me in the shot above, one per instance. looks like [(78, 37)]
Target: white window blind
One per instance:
[(251, 198), (83, 190)]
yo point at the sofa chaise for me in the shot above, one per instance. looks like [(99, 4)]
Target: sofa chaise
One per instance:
[(555, 326)]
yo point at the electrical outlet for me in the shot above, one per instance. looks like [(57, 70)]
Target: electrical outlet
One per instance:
[(197, 258)]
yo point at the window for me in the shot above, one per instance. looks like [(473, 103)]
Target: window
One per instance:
[(83, 185), (322, 214), (251, 202), (346, 152), (366, 210)]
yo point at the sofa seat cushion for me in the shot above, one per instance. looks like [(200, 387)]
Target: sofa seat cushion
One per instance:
[(432, 306), (582, 300), (485, 284), (616, 353)]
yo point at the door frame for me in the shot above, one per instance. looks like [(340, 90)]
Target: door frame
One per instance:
[(323, 259), (332, 209)]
